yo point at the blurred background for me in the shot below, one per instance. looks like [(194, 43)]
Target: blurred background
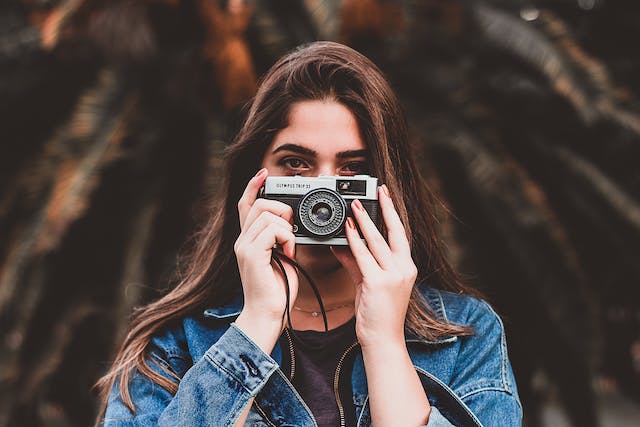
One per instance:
[(525, 114)]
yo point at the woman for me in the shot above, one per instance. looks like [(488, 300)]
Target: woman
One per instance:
[(407, 344)]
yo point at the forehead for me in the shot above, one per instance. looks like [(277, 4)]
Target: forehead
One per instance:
[(325, 126)]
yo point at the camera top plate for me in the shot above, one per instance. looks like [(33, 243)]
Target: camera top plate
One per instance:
[(362, 187)]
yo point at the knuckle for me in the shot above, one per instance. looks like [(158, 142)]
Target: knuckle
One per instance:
[(410, 274), (414, 270), (237, 247), (288, 210), (411, 267), (267, 217), (275, 206), (260, 203), (280, 209)]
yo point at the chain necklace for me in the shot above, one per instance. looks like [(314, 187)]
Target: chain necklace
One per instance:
[(318, 313)]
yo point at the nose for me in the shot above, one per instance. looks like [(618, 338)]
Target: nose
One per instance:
[(326, 168)]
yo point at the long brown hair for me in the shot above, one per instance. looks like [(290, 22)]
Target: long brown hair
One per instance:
[(208, 275)]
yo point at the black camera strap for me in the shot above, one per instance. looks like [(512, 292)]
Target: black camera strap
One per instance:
[(278, 256)]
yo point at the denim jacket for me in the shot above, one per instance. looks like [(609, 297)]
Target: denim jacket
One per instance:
[(468, 380)]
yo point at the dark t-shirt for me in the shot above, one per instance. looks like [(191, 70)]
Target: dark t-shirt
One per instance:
[(317, 356)]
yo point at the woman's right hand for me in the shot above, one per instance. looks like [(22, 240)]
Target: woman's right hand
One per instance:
[(263, 223)]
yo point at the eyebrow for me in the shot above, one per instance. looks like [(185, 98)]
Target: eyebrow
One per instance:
[(312, 153)]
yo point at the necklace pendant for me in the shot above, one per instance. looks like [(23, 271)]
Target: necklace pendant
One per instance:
[(315, 314)]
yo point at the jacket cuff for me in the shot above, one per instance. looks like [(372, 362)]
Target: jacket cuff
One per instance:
[(436, 419), (243, 359)]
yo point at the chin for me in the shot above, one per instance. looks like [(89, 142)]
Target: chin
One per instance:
[(317, 259)]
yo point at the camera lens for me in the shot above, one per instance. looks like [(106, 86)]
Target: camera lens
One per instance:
[(322, 212)]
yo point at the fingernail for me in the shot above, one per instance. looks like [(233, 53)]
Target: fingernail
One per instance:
[(261, 173), (350, 223), (386, 190), (358, 205)]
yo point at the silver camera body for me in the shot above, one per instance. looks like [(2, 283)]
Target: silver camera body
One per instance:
[(322, 204)]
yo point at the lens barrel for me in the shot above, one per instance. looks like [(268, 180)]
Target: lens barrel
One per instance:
[(322, 212)]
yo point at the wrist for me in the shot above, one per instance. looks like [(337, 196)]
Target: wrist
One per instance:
[(262, 331), (375, 342), (385, 351)]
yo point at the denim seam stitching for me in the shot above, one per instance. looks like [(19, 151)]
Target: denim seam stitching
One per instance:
[(481, 389), (435, 298), (266, 375), (236, 377), (241, 332), (493, 389), (174, 354), (163, 362), (127, 419), (263, 414), (452, 393), (105, 419), (295, 392), (364, 405), (444, 309), (234, 414), (480, 385), (503, 352)]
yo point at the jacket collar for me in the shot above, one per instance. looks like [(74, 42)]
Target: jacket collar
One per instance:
[(442, 340), (233, 308), (434, 299), (228, 310)]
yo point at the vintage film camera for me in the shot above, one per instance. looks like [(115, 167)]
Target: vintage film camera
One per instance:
[(322, 204)]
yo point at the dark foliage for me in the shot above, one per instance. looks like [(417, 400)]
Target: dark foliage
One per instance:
[(114, 115)]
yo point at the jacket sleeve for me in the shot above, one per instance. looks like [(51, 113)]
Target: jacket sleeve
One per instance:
[(482, 376), (213, 391), (436, 419)]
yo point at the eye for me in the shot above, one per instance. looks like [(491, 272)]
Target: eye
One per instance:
[(355, 168), (293, 163)]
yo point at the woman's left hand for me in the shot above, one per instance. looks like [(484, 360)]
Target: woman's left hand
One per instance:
[(384, 274)]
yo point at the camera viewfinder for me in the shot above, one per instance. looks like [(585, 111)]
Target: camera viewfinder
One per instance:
[(352, 187)]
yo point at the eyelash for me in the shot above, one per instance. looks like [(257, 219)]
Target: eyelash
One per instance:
[(285, 162), (360, 167)]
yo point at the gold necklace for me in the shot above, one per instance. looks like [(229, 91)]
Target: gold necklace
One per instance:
[(318, 313)]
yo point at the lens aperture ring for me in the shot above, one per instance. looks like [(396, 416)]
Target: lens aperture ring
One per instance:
[(322, 212)]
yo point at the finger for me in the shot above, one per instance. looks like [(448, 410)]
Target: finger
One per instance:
[(274, 234), (345, 257), (396, 233), (263, 221), (364, 259), (376, 243), (277, 208), (250, 194)]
